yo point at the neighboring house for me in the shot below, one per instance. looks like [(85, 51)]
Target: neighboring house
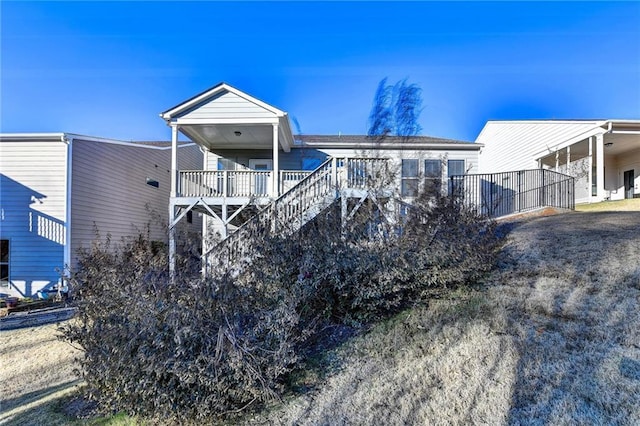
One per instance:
[(252, 158), (603, 155), (58, 189), (246, 164)]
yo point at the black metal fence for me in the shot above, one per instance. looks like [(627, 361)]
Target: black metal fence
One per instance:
[(502, 194)]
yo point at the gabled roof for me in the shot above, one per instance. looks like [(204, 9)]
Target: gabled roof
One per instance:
[(212, 92)]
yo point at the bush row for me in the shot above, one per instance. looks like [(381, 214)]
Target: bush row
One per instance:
[(194, 348)]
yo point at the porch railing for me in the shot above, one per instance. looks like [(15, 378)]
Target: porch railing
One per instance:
[(501, 194), (224, 183)]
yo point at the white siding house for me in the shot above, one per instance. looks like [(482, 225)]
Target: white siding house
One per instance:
[(603, 155), (252, 160), (57, 189)]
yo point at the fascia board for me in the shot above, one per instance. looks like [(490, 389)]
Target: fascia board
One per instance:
[(168, 115), (568, 142)]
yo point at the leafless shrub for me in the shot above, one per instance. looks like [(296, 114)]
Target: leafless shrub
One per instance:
[(188, 347)]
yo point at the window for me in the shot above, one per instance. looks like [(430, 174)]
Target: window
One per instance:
[(226, 164), (310, 163), (4, 263), (433, 176), (455, 168), (433, 169), (409, 187)]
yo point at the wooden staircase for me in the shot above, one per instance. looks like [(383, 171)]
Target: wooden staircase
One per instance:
[(333, 179)]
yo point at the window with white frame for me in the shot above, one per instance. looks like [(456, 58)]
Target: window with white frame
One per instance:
[(226, 164), (455, 168), (4, 263), (433, 175), (433, 169), (230, 165), (409, 186)]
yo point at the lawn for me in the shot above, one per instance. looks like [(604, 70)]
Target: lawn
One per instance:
[(37, 370), (551, 337)]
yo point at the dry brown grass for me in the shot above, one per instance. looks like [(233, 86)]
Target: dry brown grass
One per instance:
[(36, 370), (552, 338), (611, 206)]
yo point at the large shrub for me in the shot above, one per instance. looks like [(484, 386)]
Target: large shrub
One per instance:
[(186, 348), (193, 347)]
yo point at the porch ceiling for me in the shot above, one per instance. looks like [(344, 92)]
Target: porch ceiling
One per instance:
[(231, 136), (224, 117), (621, 143)]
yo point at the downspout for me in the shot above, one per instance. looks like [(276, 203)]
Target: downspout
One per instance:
[(67, 225)]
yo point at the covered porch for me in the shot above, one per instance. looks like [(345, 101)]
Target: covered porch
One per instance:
[(224, 119), (605, 161)]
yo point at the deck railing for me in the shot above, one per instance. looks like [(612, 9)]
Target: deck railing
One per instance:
[(501, 194), (224, 183), (290, 178)]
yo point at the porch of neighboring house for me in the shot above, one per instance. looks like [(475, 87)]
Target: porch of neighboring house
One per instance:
[(605, 161)]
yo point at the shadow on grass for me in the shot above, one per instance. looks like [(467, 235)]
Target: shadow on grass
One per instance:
[(579, 358), (10, 404), (39, 408)]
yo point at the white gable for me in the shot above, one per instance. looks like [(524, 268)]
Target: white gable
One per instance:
[(512, 145), (228, 105)]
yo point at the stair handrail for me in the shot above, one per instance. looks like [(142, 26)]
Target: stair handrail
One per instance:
[(265, 214)]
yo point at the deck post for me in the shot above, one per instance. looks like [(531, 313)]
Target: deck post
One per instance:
[(334, 174), (600, 166), (343, 215), (225, 229), (173, 194), (172, 240), (276, 165)]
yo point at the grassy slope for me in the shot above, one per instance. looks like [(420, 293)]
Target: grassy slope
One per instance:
[(37, 369), (552, 338)]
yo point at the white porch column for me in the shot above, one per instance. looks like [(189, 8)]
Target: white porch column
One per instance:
[(600, 166), (275, 189), (172, 240), (568, 159), (174, 159), (172, 209), (557, 161)]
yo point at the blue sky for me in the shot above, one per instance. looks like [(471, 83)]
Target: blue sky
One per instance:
[(108, 69)]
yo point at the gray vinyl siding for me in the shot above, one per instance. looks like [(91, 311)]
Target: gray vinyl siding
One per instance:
[(228, 105), (33, 211), (293, 160), (110, 193), (288, 160)]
